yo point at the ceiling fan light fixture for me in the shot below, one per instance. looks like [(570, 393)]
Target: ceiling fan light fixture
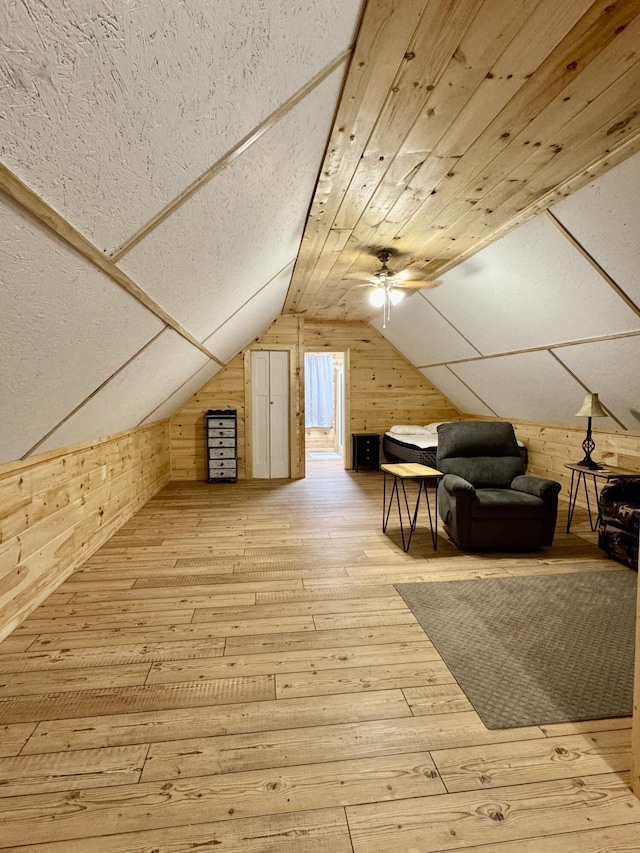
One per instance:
[(396, 296), (377, 297)]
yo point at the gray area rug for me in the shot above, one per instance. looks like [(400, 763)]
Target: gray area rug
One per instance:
[(534, 650), (324, 454)]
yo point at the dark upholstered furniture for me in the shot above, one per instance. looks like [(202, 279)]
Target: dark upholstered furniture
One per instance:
[(485, 499), (619, 520), (396, 450)]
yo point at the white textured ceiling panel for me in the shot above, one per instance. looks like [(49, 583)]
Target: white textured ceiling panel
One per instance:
[(252, 319), (529, 386), (182, 395), (65, 328), (145, 383), (456, 391), (233, 236), (612, 370), (421, 334), (112, 109), (603, 217), (529, 289)]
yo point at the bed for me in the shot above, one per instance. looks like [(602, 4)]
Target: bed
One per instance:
[(418, 444)]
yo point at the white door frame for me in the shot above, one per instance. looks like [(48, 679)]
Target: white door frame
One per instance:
[(346, 408)]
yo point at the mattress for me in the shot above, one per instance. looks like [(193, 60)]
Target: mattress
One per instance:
[(408, 451), (420, 448)]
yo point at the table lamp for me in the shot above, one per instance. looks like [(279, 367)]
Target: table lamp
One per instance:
[(591, 408)]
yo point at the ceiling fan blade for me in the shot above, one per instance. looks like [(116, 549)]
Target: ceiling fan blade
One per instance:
[(360, 276), (416, 285), (410, 275)]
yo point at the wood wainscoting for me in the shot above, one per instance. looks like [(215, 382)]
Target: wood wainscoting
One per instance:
[(551, 447), (59, 507)]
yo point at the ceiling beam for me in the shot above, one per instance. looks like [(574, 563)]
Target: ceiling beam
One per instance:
[(230, 156), (29, 201)]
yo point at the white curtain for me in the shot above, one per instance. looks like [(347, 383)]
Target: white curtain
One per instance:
[(318, 390)]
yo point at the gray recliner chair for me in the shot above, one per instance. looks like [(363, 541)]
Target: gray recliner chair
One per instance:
[(485, 499)]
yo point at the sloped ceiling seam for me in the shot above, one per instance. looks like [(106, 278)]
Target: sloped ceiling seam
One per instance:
[(175, 391), (470, 389), (36, 207), (166, 400), (230, 156), (587, 389), (251, 298), (448, 321), (540, 348), (41, 441), (588, 257), (562, 190), (415, 367)]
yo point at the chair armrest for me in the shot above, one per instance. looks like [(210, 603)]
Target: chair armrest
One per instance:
[(547, 491), (539, 487), (455, 498), (457, 485)]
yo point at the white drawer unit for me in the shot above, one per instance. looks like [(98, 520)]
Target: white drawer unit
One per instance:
[(222, 445), (222, 453), (226, 441)]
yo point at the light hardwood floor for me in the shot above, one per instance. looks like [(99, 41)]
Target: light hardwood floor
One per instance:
[(234, 671)]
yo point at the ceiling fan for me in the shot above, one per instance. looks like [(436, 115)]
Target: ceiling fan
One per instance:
[(389, 285)]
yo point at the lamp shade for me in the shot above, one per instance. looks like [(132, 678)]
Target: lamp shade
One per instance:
[(591, 408)]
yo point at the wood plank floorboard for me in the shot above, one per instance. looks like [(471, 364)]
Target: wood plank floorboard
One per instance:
[(295, 661), (97, 656), (56, 680), (454, 821), (14, 737), (234, 670), (316, 831), (212, 721)]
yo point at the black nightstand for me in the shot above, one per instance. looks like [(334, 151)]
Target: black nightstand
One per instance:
[(365, 449)]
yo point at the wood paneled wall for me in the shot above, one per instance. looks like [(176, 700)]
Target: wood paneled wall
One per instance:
[(384, 389), (225, 391), (381, 388), (60, 507), (551, 447)]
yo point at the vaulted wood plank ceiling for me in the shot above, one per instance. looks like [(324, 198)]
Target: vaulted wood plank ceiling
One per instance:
[(459, 121)]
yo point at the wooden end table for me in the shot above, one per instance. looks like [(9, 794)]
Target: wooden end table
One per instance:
[(411, 471)]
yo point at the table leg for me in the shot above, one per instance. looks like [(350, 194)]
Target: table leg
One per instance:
[(572, 498), (413, 520), (384, 500), (395, 486), (433, 522), (599, 515), (412, 516), (386, 508), (586, 494)]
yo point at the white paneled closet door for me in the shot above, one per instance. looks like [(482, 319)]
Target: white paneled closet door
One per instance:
[(270, 413)]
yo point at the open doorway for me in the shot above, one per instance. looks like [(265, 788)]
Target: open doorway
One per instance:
[(324, 406)]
